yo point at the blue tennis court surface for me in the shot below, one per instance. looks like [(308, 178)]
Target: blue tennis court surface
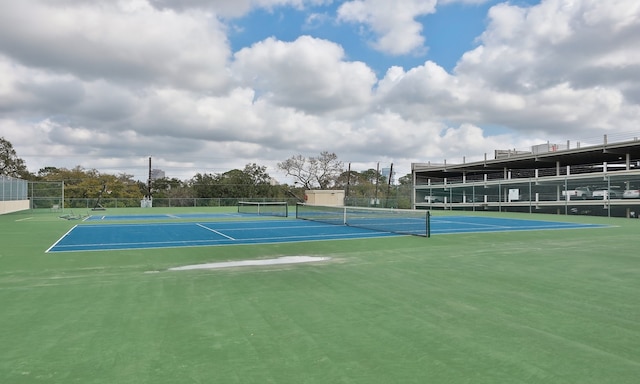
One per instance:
[(167, 216), (162, 235), (192, 234), (469, 224)]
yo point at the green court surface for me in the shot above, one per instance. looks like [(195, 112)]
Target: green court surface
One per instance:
[(505, 307)]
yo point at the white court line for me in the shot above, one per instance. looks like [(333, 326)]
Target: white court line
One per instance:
[(214, 231), (26, 218), (60, 239)]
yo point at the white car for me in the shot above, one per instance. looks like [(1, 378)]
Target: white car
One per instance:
[(433, 199), (607, 194), (631, 194), (578, 193)]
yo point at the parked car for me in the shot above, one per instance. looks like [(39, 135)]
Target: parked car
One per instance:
[(433, 199), (578, 193), (631, 194), (608, 194)]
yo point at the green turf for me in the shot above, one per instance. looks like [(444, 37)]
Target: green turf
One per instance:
[(522, 307)]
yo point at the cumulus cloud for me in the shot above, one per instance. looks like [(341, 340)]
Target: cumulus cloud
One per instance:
[(233, 8), (127, 42), (308, 74), (560, 55), (392, 22), (105, 84)]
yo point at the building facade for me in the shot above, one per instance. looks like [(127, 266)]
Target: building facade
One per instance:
[(601, 180)]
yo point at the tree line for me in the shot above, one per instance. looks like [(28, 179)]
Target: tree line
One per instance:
[(324, 171)]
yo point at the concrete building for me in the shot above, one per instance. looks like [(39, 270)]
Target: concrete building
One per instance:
[(157, 174), (602, 180)]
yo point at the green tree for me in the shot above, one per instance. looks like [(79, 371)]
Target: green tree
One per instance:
[(404, 191), (251, 182), (354, 184), (205, 185), (170, 188), (80, 183), (10, 163), (261, 182), (366, 187), (236, 184)]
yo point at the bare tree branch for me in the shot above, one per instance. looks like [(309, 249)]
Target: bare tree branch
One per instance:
[(314, 172)]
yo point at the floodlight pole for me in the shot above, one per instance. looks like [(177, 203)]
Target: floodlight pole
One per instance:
[(377, 179), (386, 202), (149, 179), (346, 197)]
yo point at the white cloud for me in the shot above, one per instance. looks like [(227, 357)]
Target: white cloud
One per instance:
[(392, 22), (557, 41), (127, 42), (105, 84), (307, 74), (233, 8)]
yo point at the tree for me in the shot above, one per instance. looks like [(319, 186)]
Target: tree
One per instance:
[(315, 172), (10, 163), (374, 177), (404, 191), (299, 167), (260, 181), (355, 184), (237, 184), (251, 182), (328, 169), (80, 183), (168, 188), (205, 185)]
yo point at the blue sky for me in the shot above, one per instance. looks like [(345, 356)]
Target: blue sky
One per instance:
[(209, 86), (450, 32)]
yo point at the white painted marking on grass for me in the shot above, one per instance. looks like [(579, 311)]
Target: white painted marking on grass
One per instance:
[(26, 218), (214, 231), (246, 263)]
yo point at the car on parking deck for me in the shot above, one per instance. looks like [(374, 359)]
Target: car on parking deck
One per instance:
[(631, 194), (434, 199), (612, 192), (582, 193)]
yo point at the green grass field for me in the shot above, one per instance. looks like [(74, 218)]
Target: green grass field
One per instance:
[(521, 307)]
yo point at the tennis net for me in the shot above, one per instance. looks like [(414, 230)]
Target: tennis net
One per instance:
[(401, 221), (277, 208)]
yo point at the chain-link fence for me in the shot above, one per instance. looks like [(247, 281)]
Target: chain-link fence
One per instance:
[(46, 194)]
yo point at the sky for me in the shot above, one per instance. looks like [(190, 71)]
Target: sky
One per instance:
[(207, 86)]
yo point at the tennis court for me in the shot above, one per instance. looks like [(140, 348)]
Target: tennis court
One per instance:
[(532, 299), (473, 224), (163, 235), (237, 232), (164, 216)]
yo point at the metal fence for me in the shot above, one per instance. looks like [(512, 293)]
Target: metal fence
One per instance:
[(90, 203), (13, 189)]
